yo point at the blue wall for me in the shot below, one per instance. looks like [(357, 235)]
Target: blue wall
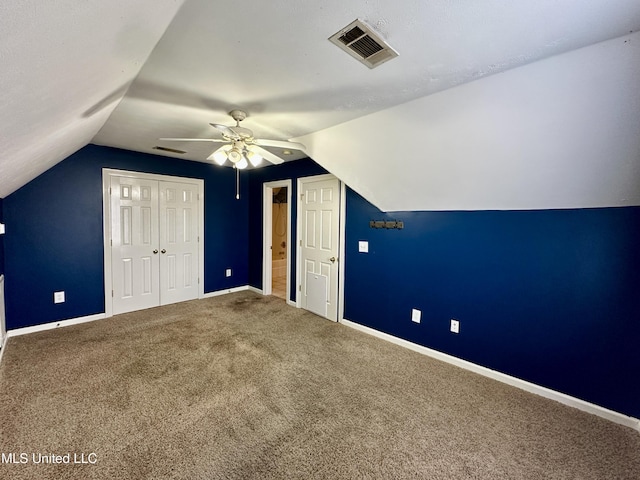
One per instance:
[(547, 296), (551, 297), (285, 171), (54, 235)]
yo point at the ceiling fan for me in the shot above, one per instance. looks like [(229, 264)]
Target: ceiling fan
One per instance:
[(241, 148)]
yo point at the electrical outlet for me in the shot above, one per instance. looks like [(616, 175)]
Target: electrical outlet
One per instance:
[(228, 272), (455, 326), (58, 297), (363, 246), (415, 315)]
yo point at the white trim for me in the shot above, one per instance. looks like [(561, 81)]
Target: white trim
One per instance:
[(107, 173), (101, 316), (342, 248), (3, 325), (341, 230), (504, 378), (255, 290), (4, 347), (106, 242), (217, 293), (267, 226), (51, 325)]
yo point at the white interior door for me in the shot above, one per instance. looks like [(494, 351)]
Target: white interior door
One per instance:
[(178, 242), (320, 221), (154, 242), (134, 244)]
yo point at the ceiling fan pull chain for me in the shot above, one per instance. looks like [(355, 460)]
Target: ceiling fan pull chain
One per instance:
[(237, 183)]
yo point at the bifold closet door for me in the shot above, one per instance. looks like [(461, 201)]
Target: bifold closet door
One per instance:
[(154, 243)]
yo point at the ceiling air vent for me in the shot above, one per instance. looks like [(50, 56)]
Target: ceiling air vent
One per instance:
[(171, 150), (359, 40)]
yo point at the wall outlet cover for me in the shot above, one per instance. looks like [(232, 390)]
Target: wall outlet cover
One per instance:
[(58, 297), (228, 272), (415, 315), (363, 246), (455, 326)]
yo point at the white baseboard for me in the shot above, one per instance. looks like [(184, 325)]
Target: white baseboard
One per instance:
[(99, 316), (217, 293), (48, 326), (504, 378), (255, 290)]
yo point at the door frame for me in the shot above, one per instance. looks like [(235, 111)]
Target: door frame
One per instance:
[(341, 239), (107, 173), (267, 229)]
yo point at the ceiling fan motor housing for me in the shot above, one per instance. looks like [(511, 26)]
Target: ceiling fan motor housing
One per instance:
[(238, 115)]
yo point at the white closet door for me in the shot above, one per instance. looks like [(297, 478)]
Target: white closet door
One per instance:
[(135, 259), (178, 242)]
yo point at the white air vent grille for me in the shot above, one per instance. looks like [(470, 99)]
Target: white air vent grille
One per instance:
[(359, 41)]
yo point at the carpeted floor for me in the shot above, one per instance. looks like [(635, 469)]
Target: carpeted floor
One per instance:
[(244, 386)]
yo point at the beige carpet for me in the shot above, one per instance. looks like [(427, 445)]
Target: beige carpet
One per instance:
[(244, 386)]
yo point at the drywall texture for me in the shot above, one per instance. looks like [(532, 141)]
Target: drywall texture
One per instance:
[(66, 64), (558, 133)]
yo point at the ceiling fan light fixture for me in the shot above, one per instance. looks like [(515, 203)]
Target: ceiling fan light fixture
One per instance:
[(242, 164), (254, 158), (219, 156), (235, 155)]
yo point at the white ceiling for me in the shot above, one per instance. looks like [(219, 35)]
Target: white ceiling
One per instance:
[(125, 74)]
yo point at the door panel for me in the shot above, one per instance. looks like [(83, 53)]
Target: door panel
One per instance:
[(134, 226), (320, 213), (178, 242)]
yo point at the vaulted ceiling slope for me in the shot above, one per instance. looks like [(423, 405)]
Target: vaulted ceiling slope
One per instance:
[(65, 66), (476, 112), (563, 132)]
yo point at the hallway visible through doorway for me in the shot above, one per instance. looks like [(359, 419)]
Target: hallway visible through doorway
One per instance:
[(279, 237)]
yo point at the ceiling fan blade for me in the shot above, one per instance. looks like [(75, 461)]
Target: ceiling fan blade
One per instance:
[(266, 154), (220, 140), (225, 130), (279, 144)]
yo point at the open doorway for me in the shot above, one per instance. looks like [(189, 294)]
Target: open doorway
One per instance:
[(279, 235), (277, 239)]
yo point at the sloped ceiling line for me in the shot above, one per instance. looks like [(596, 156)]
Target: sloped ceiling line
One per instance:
[(187, 63)]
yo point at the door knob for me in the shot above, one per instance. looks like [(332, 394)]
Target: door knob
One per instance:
[(163, 251), (155, 251), (332, 259)]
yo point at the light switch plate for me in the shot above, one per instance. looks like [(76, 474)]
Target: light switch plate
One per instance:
[(1, 228), (363, 246)]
